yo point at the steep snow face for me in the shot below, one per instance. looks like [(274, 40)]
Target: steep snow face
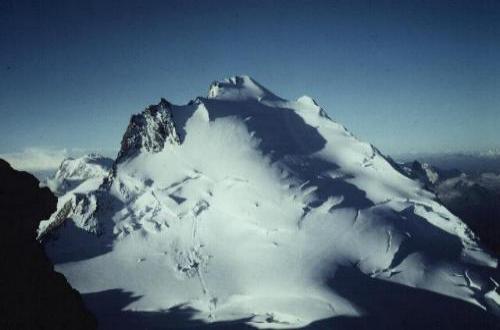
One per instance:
[(254, 213)]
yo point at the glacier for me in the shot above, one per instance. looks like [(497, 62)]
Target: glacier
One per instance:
[(245, 210)]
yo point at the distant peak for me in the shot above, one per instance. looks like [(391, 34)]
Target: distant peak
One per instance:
[(305, 99), (239, 88), (240, 80), (163, 103), (311, 104), (92, 157)]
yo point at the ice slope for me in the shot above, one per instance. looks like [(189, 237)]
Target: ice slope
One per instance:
[(250, 207)]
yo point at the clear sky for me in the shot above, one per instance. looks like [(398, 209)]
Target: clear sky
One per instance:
[(407, 76)]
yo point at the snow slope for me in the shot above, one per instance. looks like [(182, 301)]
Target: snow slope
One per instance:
[(245, 206)]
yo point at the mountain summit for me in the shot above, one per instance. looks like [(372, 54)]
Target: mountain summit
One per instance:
[(247, 208), (239, 88), (149, 130)]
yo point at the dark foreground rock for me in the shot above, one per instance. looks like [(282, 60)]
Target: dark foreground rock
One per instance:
[(32, 294)]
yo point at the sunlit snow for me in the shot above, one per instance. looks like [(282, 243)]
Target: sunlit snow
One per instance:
[(254, 215)]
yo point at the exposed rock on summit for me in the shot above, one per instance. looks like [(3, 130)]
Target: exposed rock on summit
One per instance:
[(149, 130)]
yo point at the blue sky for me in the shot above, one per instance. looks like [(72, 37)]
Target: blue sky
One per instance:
[(408, 76)]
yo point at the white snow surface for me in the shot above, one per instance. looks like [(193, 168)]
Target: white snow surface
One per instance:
[(74, 171), (74, 183), (252, 215)]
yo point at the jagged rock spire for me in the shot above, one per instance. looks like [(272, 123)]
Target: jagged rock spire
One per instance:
[(149, 130)]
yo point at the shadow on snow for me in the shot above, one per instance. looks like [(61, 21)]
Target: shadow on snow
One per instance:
[(390, 305)]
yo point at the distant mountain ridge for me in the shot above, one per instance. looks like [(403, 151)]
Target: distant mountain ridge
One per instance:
[(474, 198), (471, 163)]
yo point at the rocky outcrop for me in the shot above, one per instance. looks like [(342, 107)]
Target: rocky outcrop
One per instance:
[(33, 295), (149, 130), (427, 174)]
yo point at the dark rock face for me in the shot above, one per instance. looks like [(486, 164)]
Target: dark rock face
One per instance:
[(149, 130), (33, 295), (479, 207), (430, 176)]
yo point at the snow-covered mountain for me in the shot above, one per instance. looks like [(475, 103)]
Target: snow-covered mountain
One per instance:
[(74, 171), (246, 206), (75, 183)]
